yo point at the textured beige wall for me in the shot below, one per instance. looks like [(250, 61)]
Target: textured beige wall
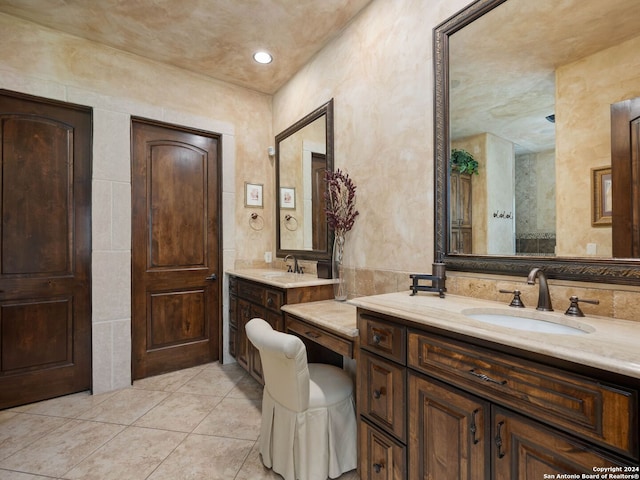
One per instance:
[(380, 73), (585, 90)]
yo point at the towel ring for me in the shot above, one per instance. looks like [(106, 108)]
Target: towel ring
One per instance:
[(292, 227), (256, 222)]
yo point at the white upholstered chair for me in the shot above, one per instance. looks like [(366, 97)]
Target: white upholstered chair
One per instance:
[(308, 429)]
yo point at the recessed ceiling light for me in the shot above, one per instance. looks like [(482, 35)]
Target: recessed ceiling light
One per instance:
[(262, 57)]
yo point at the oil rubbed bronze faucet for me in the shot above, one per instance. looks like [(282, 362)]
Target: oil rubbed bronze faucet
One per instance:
[(544, 299)]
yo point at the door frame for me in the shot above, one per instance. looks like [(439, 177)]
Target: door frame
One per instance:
[(219, 212)]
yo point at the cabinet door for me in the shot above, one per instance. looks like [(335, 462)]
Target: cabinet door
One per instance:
[(526, 450), (242, 342), (255, 365), (448, 432)]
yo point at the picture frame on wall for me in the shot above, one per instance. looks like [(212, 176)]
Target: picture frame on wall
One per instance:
[(253, 195), (601, 193), (288, 198)]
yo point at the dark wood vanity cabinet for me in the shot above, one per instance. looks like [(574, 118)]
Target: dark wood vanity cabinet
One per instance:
[(435, 407), (249, 299)]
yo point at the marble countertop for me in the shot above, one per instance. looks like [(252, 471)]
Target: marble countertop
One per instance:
[(280, 278), (609, 344), (338, 317)]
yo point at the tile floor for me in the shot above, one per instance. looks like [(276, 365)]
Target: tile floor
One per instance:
[(199, 423)]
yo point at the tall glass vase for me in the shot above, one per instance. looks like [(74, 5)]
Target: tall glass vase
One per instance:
[(340, 287)]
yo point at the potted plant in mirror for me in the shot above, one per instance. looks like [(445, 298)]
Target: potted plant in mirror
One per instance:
[(463, 162), (341, 215)]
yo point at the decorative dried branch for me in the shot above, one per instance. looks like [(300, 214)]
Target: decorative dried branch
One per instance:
[(341, 201)]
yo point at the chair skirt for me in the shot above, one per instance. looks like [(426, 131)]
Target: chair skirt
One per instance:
[(315, 444)]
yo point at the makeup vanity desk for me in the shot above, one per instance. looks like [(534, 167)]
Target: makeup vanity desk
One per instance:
[(328, 323)]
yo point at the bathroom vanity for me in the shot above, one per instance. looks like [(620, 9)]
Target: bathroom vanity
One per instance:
[(261, 293), (441, 395)]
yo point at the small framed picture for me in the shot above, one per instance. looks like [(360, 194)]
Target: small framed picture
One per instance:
[(253, 195), (288, 197), (601, 196)]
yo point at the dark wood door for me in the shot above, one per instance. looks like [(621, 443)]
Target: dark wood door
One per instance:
[(175, 248), (319, 201), (625, 178), (45, 258)]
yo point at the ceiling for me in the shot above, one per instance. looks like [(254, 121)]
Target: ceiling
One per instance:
[(216, 38)]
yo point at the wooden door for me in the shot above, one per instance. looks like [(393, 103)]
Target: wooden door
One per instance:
[(319, 201), (175, 248), (625, 178), (526, 450), (448, 432), (45, 249)]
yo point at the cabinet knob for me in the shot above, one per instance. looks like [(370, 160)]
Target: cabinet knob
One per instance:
[(377, 394), (270, 301), (377, 339), (377, 467)]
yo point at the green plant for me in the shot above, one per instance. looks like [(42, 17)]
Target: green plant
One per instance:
[(463, 161)]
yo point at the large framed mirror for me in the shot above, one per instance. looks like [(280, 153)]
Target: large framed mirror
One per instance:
[(304, 152), (528, 89)]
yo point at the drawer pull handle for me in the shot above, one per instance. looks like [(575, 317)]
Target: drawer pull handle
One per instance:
[(376, 339), (499, 439), (377, 467), (487, 378), (312, 334), (270, 301), (473, 426), (378, 393)]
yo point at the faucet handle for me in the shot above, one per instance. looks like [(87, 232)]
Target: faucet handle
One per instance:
[(516, 301), (574, 309)]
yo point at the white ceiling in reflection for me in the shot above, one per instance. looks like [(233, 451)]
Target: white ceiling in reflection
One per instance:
[(502, 66)]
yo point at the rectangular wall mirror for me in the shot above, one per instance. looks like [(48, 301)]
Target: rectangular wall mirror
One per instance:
[(304, 152), (528, 88)]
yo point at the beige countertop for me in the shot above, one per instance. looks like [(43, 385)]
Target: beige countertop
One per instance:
[(609, 344), (338, 317), (280, 278)]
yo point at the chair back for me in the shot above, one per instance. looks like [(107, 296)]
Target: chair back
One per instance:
[(284, 364)]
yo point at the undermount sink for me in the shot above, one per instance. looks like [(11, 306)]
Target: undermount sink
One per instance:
[(529, 321), (275, 274)]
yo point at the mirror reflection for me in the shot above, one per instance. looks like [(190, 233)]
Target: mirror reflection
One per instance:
[(304, 152), (531, 89)]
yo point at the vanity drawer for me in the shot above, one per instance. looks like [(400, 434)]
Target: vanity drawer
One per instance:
[(386, 458), (266, 297), (578, 404), (383, 338), (382, 393), (318, 335), (274, 299), (251, 291)]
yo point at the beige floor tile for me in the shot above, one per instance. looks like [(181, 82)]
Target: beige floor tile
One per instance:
[(233, 417), (132, 455), (61, 449), (212, 381), (69, 406), (253, 469), (169, 382), (125, 406), (8, 475), (247, 388), (181, 412), (18, 430), (200, 457)]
